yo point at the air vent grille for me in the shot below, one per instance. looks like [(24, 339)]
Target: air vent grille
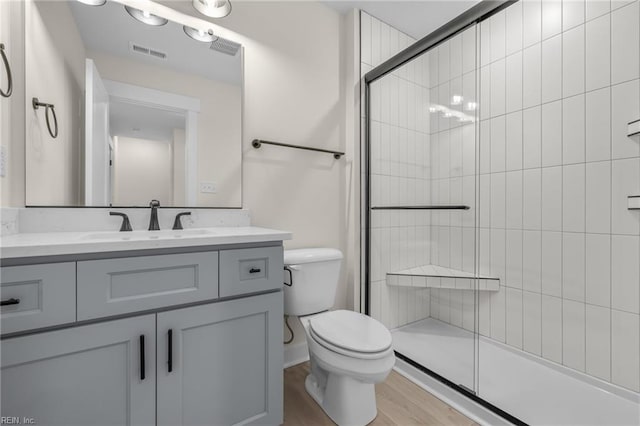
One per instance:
[(147, 51), (225, 46)]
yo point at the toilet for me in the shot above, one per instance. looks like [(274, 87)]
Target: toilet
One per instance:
[(349, 352)]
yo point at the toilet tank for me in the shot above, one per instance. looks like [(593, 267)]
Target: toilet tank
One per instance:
[(315, 273)]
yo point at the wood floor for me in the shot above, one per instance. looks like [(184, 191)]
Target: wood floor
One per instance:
[(400, 402)]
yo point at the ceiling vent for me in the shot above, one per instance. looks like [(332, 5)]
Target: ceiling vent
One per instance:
[(225, 46), (147, 51)]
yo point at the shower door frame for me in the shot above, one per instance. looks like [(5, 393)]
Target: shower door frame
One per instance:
[(476, 14)]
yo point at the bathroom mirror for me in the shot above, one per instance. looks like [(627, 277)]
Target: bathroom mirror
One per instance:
[(138, 111)]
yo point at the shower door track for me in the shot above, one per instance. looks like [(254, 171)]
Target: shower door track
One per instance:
[(463, 390)]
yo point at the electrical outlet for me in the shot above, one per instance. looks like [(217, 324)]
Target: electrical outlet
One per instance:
[(3, 161), (208, 187)]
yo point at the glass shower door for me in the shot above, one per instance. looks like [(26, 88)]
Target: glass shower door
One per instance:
[(422, 216)]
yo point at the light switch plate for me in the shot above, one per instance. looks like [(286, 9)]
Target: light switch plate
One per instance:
[(208, 187), (3, 161), (634, 128)]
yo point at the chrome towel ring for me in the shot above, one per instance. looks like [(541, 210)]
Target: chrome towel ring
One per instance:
[(5, 60), (48, 107)]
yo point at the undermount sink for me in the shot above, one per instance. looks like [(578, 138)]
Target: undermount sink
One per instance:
[(146, 235)]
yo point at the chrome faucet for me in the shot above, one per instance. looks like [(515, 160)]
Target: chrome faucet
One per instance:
[(153, 223)]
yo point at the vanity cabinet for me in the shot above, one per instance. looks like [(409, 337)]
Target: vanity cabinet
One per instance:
[(87, 375), (219, 361), (221, 366)]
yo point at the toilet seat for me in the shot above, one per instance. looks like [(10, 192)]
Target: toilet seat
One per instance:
[(350, 354), (351, 334)]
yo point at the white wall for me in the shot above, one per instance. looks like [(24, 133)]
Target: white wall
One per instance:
[(12, 109), (143, 170), (293, 95), (54, 74), (452, 67), (179, 185), (559, 82), (575, 299), (400, 173)]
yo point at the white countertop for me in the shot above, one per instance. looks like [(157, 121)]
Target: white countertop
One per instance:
[(64, 243)]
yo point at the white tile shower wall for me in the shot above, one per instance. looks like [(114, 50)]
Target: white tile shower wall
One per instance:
[(562, 241), (452, 119), (400, 172)]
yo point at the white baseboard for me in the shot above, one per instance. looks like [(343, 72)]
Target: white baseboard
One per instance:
[(464, 405), (295, 354)]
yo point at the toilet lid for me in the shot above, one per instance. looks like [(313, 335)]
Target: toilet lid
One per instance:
[(351, 331)]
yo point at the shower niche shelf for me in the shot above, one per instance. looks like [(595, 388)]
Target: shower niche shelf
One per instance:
[(434, 276)]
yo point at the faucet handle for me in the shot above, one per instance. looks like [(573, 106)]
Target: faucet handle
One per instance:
[(154, 203), (126, 225), (177, 224)]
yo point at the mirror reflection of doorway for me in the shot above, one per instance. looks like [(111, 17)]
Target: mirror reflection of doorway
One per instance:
[(148, 141), (143, 171)]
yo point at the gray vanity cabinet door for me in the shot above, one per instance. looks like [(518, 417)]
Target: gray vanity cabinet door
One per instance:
[(226, 363), (88, 375)]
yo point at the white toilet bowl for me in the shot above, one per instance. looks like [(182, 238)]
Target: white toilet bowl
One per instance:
[(349, 354)]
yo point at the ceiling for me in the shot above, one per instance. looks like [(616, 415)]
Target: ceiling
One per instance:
[(143, 122), (110, 29), (417, 18)]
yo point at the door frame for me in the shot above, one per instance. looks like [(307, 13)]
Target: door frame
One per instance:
[(186, 105)]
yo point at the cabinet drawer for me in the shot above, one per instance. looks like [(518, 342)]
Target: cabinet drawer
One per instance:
[(117, 286), (38, 296), (250, 270)]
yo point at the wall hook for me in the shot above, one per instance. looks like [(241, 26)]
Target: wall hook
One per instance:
[(48, 107)]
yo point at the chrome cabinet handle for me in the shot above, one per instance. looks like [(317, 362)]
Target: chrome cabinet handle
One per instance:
[(48, 107), (7, 67)]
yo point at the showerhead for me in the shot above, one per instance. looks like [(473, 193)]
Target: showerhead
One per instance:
[(225, 46)]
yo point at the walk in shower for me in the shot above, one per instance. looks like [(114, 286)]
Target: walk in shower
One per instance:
[(499, 246)]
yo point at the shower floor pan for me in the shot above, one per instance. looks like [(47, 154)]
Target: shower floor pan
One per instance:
[(530, 388)]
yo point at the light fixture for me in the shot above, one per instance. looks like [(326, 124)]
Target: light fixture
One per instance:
[(471, 106), (146, 17), (200, 35), (93, 2), (456, 100), (213, 8)]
